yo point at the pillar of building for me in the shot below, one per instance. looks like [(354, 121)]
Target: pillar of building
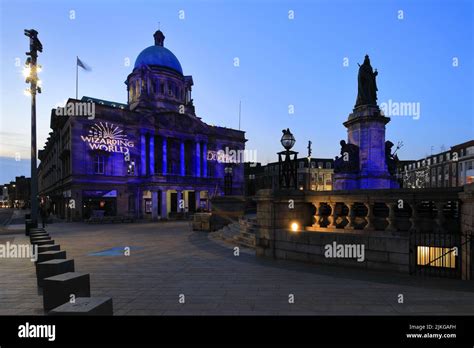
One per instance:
[(182, 157), (204, 159), (142, 154), (198, 158), (152, 155), (138, 205), (154, 205), (164, 208), (179, 197), (165, 159), (198, 199)]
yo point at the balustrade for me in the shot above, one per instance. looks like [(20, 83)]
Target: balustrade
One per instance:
[(403, 210)]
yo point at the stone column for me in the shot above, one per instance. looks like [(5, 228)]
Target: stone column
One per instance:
[(198, 159), (139, 202), (182, 157), (143, 154), (350, 216), (333, 217), (165, 159), (198, 199), (152, 154), (204, 159), (391, 218), (179, 197), (164, 207), (317, 216), (369, 217), (414, 216), (154, 205)]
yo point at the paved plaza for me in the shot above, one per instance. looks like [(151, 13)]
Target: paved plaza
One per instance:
[(168, 259)]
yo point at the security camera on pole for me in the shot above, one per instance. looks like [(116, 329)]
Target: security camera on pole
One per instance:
[(31, 73)]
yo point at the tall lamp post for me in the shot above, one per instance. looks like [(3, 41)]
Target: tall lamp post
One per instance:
[(14, 200), (31, 73), (287, 162)]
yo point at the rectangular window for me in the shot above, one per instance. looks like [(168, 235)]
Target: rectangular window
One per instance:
[(436, 257), (320, 165), (328, 165), (99, 164)]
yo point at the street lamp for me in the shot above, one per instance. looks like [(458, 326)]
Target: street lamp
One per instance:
[(14, 201), (287, 162), (287, 139), (31, 71)]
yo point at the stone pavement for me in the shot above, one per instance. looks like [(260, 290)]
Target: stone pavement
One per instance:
[(168, 259)]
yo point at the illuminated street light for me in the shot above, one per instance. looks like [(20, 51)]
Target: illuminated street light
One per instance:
[(294, 227), (31, 71)]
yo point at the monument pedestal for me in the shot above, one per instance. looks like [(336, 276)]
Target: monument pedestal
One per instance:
[(366, 129), (346, 181)]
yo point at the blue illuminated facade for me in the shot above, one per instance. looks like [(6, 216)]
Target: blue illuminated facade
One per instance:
[(151, 157)]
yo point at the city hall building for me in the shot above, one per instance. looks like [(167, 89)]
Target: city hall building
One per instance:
[(150, 158)]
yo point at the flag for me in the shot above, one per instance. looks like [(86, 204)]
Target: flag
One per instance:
[(82, 65)]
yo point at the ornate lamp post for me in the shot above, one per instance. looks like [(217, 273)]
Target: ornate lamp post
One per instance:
[(287, 162), (31, 73)]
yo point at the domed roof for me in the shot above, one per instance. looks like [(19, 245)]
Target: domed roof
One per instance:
[(158, 55)]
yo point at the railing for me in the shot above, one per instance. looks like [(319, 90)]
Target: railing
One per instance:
[(387, 210)]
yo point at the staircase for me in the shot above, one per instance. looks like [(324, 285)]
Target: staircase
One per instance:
[(240, 233)]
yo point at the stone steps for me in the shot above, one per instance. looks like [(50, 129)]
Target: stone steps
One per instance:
[(241, 233)]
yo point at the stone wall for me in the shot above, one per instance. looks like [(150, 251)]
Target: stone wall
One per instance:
[(388, 248), (381, 251)]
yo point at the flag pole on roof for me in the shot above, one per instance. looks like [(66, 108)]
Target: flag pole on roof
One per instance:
[(84, 66)]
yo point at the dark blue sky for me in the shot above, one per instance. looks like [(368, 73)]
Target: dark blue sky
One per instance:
[(282, 62)]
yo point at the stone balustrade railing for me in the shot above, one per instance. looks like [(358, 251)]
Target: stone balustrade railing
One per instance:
[(377, 210)]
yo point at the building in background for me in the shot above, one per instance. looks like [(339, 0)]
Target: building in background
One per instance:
[(315, 174), (150, 158), (254, 178), (451, 168), (3, 196), (16, 194)]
